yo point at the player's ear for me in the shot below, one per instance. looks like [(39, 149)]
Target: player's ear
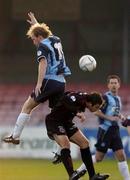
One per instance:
[(89, 104)]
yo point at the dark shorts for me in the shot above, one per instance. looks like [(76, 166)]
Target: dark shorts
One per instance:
[(109, 140), (51, 90), (59, 127)]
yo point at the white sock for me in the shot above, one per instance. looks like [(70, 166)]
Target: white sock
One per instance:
[(94, 159), (82, 167), (20, 123), (124, 170)]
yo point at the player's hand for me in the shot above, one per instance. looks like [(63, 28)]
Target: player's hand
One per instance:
[(126, 122), (32, 19), (81, 116), (122, 117), (114, 118), (38, 89)]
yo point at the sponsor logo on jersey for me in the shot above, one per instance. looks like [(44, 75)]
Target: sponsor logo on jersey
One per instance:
[(61, 129), (39, 53), (73, 98)]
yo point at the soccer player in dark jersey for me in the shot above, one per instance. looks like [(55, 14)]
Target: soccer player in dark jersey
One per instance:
[(52, 70), (108, 133), (61, 128)]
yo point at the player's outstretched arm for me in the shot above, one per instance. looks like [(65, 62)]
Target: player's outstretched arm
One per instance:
[(100, 114), (32, 20)]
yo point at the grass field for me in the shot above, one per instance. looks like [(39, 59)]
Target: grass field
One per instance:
[(28, 169)]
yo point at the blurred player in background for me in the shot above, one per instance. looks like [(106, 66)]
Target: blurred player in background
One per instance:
[(108, 132), (60, 127), (52, 70)]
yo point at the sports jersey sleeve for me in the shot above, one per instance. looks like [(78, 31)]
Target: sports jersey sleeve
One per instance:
[(42, 52), (69, 101)]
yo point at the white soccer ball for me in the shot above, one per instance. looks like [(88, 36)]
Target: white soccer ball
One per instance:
[(87, 63)]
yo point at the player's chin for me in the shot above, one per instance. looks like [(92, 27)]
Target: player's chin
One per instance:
[(114, 89)]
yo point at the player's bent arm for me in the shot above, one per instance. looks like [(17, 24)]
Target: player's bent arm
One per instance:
[(32, 19), (41, 74), (100, 114), (41, 70)]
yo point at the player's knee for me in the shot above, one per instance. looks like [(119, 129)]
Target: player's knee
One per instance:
[(27, 108), (84, 144), (99, 158), (29, 105), (65, 145)]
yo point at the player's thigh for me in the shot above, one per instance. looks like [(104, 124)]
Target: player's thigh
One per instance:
[(51, 90), (120, 155), (103, 140), (116, 137), (29, 105), (62, 140), (79, 139)]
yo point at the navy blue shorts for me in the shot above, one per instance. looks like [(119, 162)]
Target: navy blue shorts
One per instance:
[(51, 90), (109, 140)]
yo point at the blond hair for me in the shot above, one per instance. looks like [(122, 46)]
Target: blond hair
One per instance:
[(39, 30)]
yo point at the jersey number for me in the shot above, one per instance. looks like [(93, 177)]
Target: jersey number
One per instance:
[(58, 47)]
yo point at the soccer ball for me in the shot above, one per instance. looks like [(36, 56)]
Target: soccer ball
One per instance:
[(87, 63)]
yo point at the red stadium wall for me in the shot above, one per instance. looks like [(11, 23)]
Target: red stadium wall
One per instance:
[(13, 96)]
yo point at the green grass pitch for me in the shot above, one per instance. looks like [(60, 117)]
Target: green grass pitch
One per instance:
[(32, 169)]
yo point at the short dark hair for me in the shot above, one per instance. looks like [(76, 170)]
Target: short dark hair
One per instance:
[(113, 76), (95, 98)]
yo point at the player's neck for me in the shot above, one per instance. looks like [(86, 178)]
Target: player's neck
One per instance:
[(114, 93)]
